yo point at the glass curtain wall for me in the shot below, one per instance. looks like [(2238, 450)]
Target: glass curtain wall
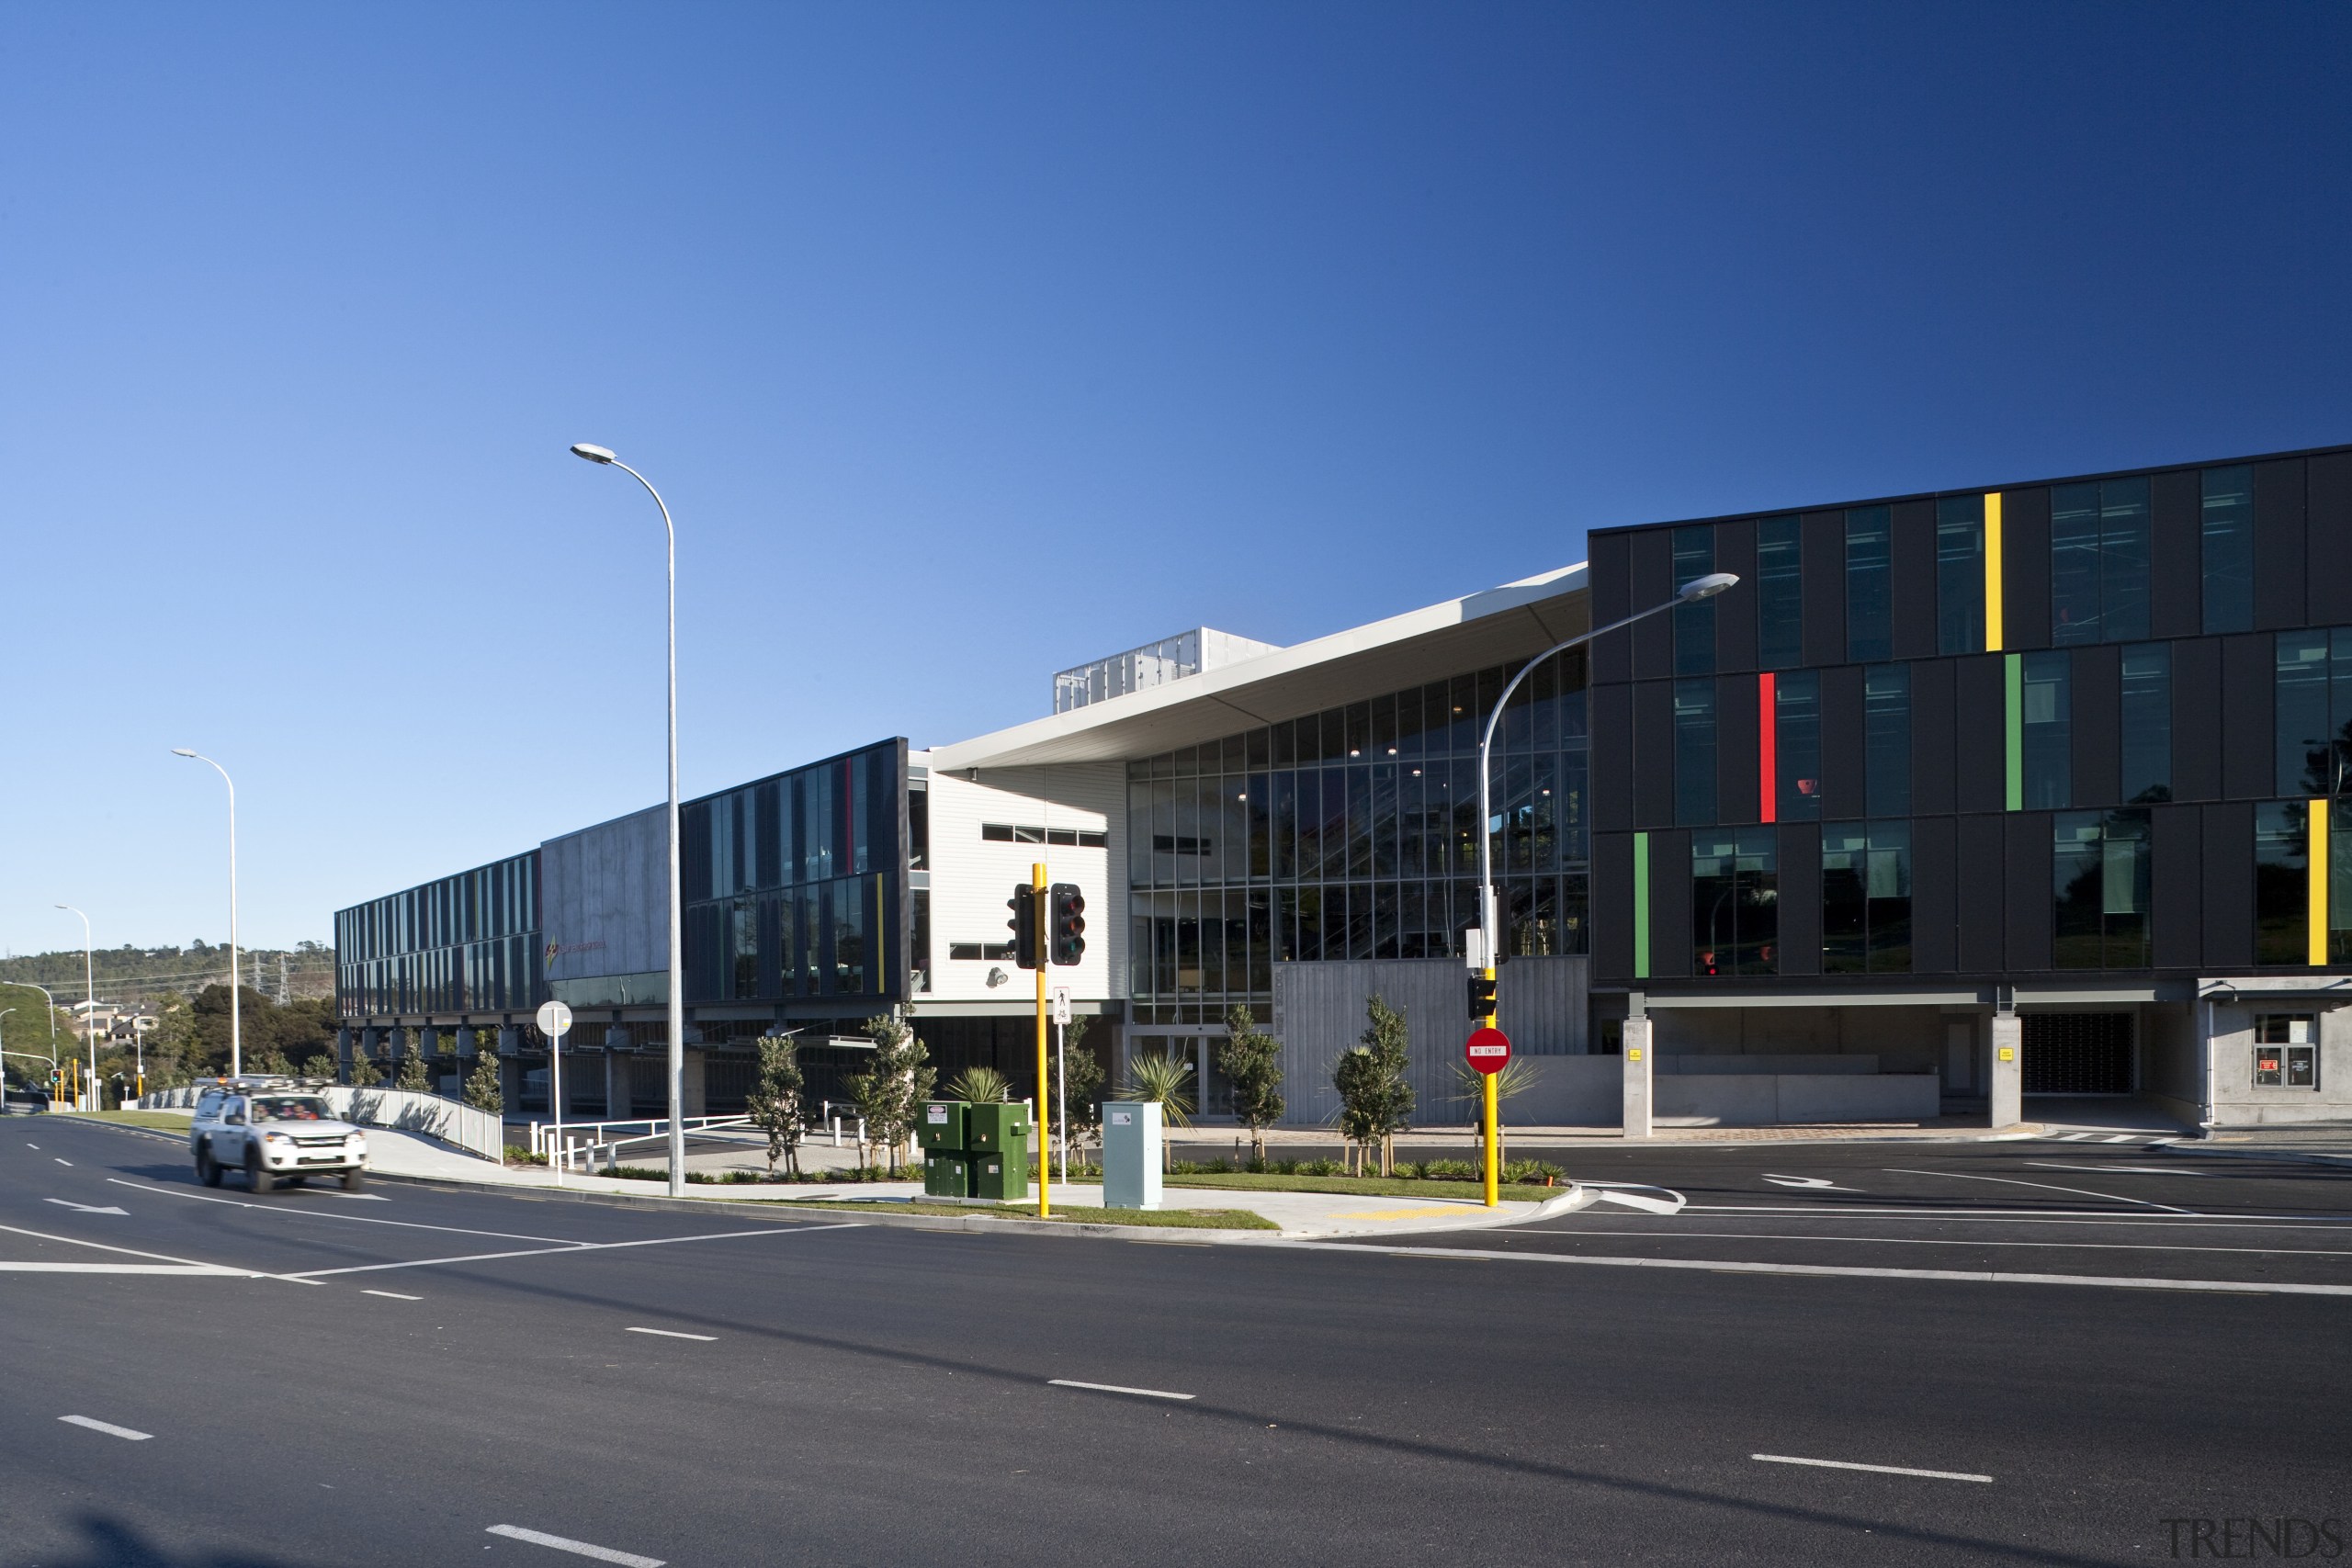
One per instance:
[(1353, 833), (465, 943), (793, 883)]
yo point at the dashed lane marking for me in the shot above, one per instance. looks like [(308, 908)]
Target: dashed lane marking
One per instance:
[(326, 1215), (109, 1427), (673, 1334), (1873, 1469), (63, 1162), (1115, 1388), (577, 1548), (86, 1208), (391, 1295)]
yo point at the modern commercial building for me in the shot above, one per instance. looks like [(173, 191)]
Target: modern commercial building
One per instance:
[(2029, 788)]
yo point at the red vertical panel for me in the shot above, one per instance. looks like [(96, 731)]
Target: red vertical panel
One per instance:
[(1767, 751)]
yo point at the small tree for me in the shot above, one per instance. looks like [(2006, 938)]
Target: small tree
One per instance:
[(319, 1066), (1164, 1081), (1251, 1060), (776, 1099), (887, 1094), (1082, 1124), (413, 1078), (1375, 1097), (482, 1090), (270, 1059)]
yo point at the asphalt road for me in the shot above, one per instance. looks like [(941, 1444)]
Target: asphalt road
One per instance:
[(414, 1371)]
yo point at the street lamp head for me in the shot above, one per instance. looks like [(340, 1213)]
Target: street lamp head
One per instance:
[(1706, 587), (182, 751), (67, 907), (593, 453)]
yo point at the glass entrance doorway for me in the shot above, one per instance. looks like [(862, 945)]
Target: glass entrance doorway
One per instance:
[(1212, 1093)]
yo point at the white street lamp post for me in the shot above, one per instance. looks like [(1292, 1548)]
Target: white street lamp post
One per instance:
[(1490, 932), (677, 946), (236, 1030), (90, 1000)]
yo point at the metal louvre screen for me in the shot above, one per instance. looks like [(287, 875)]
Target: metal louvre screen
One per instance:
[(2077, 1053)]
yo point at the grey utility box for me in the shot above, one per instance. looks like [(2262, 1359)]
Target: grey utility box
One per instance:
[(1130, 1155)]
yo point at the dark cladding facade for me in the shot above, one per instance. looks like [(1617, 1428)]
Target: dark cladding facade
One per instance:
[(2082, 739)]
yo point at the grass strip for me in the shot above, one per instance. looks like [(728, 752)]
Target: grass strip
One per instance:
[(1186, 1219), (133, 1118)]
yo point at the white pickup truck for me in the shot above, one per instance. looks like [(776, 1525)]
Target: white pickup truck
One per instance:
[(273, 1130)]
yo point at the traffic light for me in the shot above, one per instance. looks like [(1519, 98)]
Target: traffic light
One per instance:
[(1023, 905), (1482, 997), (1067, 927)]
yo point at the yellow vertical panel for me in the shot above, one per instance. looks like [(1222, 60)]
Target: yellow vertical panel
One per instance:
[(2318, 860), (1993, 572)]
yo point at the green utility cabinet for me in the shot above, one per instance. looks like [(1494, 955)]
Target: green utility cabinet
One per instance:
[(947, 1173), (974, 1151), (998, 1129), (941, 1123)]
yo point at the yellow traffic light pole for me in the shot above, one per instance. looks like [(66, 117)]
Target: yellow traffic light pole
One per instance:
[(1044, 956), (1486, 1088)]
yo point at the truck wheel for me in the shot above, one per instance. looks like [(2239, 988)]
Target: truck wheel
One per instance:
[(353, 1181), (258, 1180), (208, 1169)]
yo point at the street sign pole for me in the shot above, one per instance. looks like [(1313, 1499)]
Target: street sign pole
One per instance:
[(1061, 1081), (1044, 937), (1489, 1051), (555, 1021)]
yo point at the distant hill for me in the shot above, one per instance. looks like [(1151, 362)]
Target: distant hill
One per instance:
[(140, 974)]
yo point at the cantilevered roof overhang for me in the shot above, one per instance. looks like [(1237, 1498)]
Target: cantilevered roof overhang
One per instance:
[(1499, 626)]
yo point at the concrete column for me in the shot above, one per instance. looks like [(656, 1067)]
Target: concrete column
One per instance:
[(1639, 1070), (468, 1039), (616, 1087), (343, 1056), (2005, 1070), (510, 1039), (510, 1083), (690, 1091)]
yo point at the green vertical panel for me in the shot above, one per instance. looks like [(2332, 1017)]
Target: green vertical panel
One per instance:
[(2015, 673), (1641, 905)]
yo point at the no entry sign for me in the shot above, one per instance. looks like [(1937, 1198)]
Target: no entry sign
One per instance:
[(1488, 1050)]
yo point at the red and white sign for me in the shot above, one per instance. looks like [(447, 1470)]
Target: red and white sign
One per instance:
[(1488, 1050)]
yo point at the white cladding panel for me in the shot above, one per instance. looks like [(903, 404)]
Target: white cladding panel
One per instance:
[(971, 877)]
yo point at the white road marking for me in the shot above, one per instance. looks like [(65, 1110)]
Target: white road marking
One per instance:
[(2046, 1186), (1815, 1183), (1963, 1241), (1848, 1271), (63, 1162), (1115, 1388), (198, 1270), (133, 1252), (323, 1214), (673, 1334), (2127, 1138), (1844, 1214), (2127, 1169), (394, 1295), (2072, 1138), (1636, 1197), (313, 1275), (85, 1207), (578, 1548), (1873, 1469), (32, 1146), (109, 1427)]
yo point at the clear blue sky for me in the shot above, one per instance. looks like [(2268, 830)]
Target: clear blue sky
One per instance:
[(970, 342)]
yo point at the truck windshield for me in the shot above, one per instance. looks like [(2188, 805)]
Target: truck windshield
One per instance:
[(289, 1108)]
